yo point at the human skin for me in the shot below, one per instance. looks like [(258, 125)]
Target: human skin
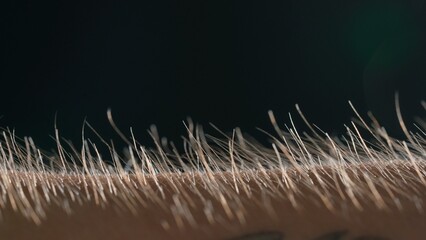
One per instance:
[(220, 188), (309, 220)]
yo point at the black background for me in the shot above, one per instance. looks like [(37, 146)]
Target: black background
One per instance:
[(225, 62)]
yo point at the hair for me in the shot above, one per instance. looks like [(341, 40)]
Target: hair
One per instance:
[(216, 179)]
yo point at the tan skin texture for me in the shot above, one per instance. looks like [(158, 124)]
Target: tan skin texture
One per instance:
[(311, 220)]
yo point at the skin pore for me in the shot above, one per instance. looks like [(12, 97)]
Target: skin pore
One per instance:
[(305, 186)]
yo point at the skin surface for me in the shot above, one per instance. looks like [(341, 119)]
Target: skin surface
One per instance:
[(311, 220), (304, 187)]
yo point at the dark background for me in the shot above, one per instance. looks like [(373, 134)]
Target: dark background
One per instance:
[(225, 62)]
